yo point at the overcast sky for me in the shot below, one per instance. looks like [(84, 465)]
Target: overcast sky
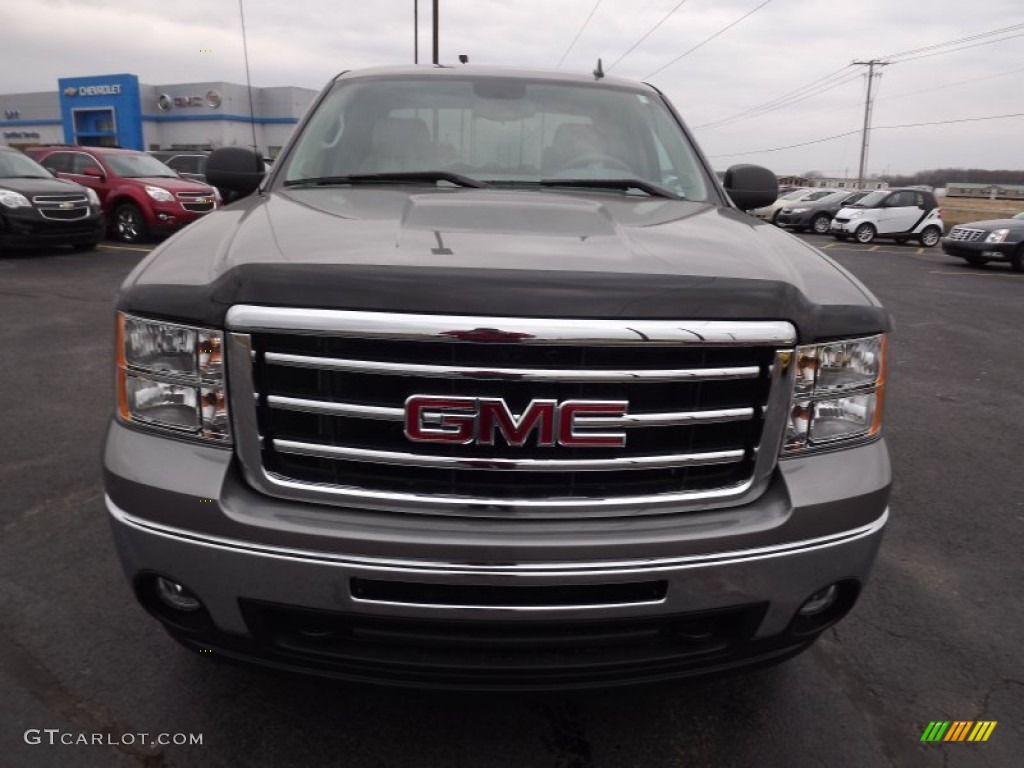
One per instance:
[(780, 48)]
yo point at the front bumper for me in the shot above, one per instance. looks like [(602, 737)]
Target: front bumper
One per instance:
[(845, 227), (164, 218), (980, 249), (800, 220), (29, 229), (470, 603)]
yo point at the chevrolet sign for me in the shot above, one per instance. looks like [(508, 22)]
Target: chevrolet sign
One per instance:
[(112, 89)]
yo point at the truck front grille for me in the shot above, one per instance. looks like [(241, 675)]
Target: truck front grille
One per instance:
[(327, 414)]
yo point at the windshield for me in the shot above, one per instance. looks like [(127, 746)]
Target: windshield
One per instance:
[(137, 166), (872, 199), (17, 165), (501, 131), (1019, 215)]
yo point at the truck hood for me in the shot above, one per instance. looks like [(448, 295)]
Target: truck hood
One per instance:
[(498, 252)]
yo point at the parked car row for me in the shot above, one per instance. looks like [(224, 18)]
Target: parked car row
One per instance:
[(896, 214), (140, 195)]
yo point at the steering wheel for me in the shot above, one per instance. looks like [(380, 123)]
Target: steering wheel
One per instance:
[(608, 161)]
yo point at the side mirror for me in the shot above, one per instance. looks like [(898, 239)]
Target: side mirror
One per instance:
[(751, 186), (93, 171), (54, 172), (237, 169)]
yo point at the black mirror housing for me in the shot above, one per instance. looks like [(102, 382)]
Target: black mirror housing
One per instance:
[(751, 186), (236, 169)]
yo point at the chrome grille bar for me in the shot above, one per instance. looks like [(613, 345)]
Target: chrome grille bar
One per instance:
[(356, 411), (509, 330), (571, 376), (346, 453)]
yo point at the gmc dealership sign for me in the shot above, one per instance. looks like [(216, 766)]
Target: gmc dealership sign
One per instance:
[(476, 420)]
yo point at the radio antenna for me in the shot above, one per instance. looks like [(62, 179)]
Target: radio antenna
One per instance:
[(248, 79)]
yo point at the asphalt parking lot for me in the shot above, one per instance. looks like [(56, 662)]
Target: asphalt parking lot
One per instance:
[(936, 636)]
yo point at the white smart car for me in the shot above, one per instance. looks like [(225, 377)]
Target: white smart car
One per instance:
[(898, 214)]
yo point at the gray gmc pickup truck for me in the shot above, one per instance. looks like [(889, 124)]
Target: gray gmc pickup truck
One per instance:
[(491, 384)]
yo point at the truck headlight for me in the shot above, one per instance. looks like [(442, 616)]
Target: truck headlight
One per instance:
[(838, 391), (92, 197), (11, 199), (160, 194), (997, 235), (171, 377)]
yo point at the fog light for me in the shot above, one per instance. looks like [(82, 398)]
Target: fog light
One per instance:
[(176, 596), (819, 601)]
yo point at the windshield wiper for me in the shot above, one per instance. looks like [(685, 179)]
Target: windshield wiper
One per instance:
[(387, 178), (652, 189)]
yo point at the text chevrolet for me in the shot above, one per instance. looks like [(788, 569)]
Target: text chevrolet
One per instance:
[(490, 383)]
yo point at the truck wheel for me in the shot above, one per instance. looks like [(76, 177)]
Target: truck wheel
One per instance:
[(1017, 260), (930, 237), (820, 224), (129, 226), (865, 233)]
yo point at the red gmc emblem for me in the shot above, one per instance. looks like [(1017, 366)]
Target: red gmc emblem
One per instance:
[(469, 420)]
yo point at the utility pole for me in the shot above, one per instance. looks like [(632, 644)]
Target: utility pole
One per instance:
[(436, 25), (415, 31), (867, 116)]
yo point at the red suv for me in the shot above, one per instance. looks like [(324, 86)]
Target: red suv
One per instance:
[(140, 195)]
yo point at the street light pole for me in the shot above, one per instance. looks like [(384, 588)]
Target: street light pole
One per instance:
[(436, 25), (415, 31)]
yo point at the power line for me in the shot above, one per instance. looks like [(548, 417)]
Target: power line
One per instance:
[(957, 50), (944, 86), (704, 42), (772, 106), (877, 128), (647, 34), (815, 87), (578, 33), (966, 39)]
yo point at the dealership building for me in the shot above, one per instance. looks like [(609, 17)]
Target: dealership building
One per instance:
[(119, 111)]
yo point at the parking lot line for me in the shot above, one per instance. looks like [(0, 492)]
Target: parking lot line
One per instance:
[(826, 246), (873, 248), (974, 274), (123, 248)]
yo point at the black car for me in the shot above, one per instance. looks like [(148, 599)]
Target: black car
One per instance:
[(37, 209), (980, 242), (817, 214)]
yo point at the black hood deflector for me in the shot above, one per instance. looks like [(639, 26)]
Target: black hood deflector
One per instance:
[(502, 293)]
